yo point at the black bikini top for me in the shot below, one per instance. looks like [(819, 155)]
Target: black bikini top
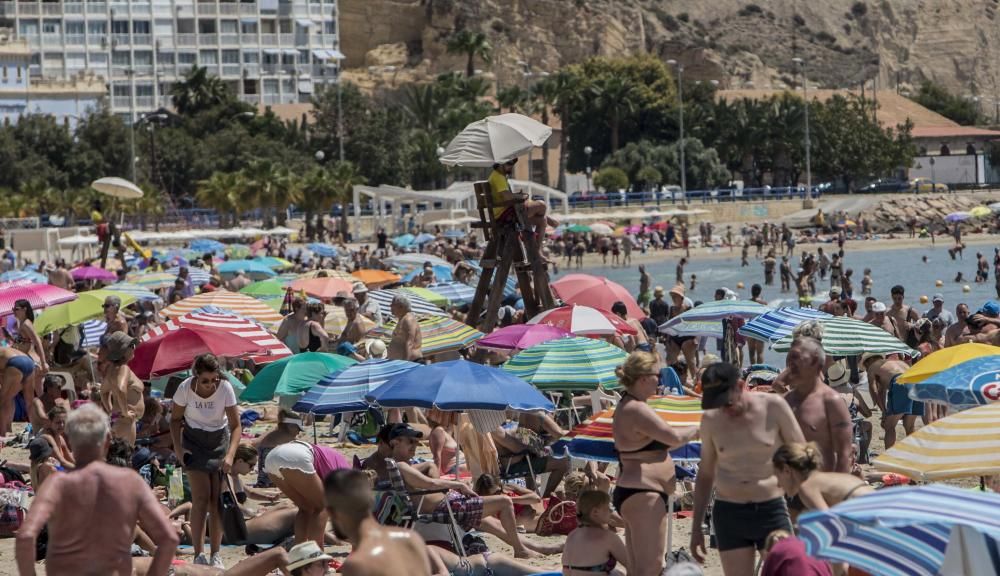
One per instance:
[(651, 446)]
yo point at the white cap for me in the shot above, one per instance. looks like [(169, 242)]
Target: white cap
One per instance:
[(878, 307)]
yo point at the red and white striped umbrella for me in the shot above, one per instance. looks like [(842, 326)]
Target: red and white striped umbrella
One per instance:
[(583, 320), (239, 303), (39, 295), (235, 324)]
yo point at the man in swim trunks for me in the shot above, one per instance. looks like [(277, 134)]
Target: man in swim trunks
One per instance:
[(740, 432), (15, 369), (891, 398)]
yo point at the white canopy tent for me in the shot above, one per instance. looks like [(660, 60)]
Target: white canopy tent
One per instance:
[(178, 237)]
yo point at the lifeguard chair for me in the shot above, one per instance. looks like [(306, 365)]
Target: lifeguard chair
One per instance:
[(509, 244)]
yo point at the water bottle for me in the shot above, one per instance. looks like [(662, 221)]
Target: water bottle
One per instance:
[(175, 492)]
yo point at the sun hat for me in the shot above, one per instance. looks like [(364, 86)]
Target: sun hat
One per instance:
[(305, 553), (878, 307)]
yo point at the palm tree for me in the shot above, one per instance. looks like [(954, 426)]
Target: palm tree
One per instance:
[(567, 90), (198, 91), (546, 94), (471, 44), (345, 176), (319, 192), (616, 97), (421, 103), (221, 192), (262, 178), (513, 98)]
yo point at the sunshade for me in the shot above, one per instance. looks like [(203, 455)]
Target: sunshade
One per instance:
[(237, 251), (980, 211), (957, 217), (601, 229), (775, 324), (254, 333), (594, 440), (117, 188), (88, 272), (521, 336), (375, 278), (569, 364), (274, 263), (415, 260), (454, 234), (38, 295), (901, 531), (271, 288), (345, 391), (583, 320), (93, 330), (961, 445), (418, 304), (696, 328), (252, 268), (322, 250), (971, 553), (423, 238), (945, 359), (152, 280), (971, 383), (852, 337), (141, 293), (327, 273), (404, 240), (87, 307), (579, 228), (495, 139), (322, 288), (197, 276), (336, 320), (293, 375), (428, 295), (439, 334), (596, 292), (175, 350), (28, 275), (720, 309), (456, 293), (239, 303), (459, 385), (203, 245)]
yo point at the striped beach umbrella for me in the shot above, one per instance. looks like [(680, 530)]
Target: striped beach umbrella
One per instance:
[(274, 263), (456, 293), (945, 359), (271, 288), (322, 288), (39, 295), (573, 364), (596, 292), (961, 445), (439, 334), (718, 310), (92, 332), (198, 276), (900, 531), (972, 383), (406, 261), (428, 295), (258, 335), (521, 336), (29, 275), (327, 273), (852, 337), (419, 305), (345, 391), (141, 293), (234, 301), (775, 324), (695, 328), (152, 280), (583, 320), (594, 440)]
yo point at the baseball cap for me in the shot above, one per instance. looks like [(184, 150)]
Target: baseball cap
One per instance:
[(39, 449), (113, 301), (835, 291), (937, 297), (117, 344), (878, 307), (991, 309), (716, 383), (401, 430)]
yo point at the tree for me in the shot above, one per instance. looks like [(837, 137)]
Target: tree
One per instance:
[(222, 193), (345, 177), (472, 45), (566, 91), (649, 177), (546, 94), (615, 97), (611, 179), (936, 98), (199, 91), (319, 192), (512, 98)]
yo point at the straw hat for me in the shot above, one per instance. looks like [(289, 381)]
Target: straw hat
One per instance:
[(678, 289), (306, 553), (658, 291)]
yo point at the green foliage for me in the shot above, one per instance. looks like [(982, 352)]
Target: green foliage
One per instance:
[(611, 179), (648, 164), (648, 177), (936, 98), (199, 91), (473, 45)]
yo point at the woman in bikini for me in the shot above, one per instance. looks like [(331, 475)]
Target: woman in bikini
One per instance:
[(312, 335), (798, 466), (594, 547), (646, 481), (16, 369), (26, 340)]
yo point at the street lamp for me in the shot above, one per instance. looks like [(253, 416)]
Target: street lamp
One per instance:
[(587, 151), (339, 57), (680, 115), (319, 155), (805, 94)]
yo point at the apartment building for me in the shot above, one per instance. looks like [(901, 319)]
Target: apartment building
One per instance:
[(267, 51)]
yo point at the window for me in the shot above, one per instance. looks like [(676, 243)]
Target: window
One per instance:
[(97, 28), (144, 58), (28, 28), (119, 27), (121, 58), (98, 60), (140, 26), (121, 89), (165, 58), (207, 57), (186, 57), (76, 60), (251, 57), (75, 27), (163, 27), (50, 27), (230, 56), (229, 26), (270, 86), (144, 90)]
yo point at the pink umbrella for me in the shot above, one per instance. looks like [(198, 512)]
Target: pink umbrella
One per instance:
[(39, 295), (634, 229), (521, 336), (88, 272), (596, 292), (584, 320)]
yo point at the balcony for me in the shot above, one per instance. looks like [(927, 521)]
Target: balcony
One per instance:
[(270, 68), (52, 40), (229, 8), (29, 8), (187, 39), (7, 9), (248, 38), (52, 8), (184, 68), (97, 8), (271, 99), (209, 39), (251, 70), (96, 40), (230, 70), (145, 102), (73, 7), (229, 39), (288, 39), (121, 39), (207, 8), (268, 39), (248, 9), (142, 39), (76, 39)]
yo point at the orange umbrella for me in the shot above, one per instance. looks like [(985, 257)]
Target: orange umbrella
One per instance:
[(376, 278), (322, 288)]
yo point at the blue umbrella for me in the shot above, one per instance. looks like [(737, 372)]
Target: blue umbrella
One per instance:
[(442, 273), (901, 531), (420, 306), (15, 275), (456, 292), (454, 234), (252, 268), (142, 294), (510, 287), (776, 324), (92, 332), (345, 391), (423, 238), (972, 383), (198, 276), (459, 385), (323, 250), (403, 241), (207, 245)]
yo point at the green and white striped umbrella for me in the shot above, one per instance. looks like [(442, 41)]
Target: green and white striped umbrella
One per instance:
[(569, 364), (852, 337)]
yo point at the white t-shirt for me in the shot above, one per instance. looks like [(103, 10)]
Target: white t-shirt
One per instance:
[(205, 413)]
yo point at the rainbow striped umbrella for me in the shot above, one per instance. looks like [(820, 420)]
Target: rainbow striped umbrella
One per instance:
[(258, 335), (776, 324), (418, 304), (439, 333), (428, 295), (239, 303), (594, 440), (152, 280), (456, 293), (573, 363)]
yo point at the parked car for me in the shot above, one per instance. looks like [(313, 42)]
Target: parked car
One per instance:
[(886, 185), (671, 192), (922, 185)]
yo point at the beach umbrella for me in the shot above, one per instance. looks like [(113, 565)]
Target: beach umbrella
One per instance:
[(404, 240), (601, 229), (957, 217), (152, 280), (980, 211), (583, 320), (495, 140), (87, 273), (970, 553), (995, 207), (38, 295), (256, 335), (456, 293), (945, 359), (569, 364), (24, 275), (695, 328), (325, 273), (423, 238), (345, 391), (961, 445), (900, 531), (203, 245), (455, 234), (593, 440), (252, 268), (336, 320), (774, 325), (439, 334), (578, 228), (197, 276), (293, 375), (270, 288), (274, 263), (88, 306), (141, 293), (322, 288), (93, 330), (117, 188), (971, 383), (510, 286), (521, 336), (459, 385), (239, 303), (442, 273), (375, 278), (237, 251), (175, 350), (416, 260), (430, 296), (852, 337), (596, 292), (719, 310), (419, 305), (322, 250)]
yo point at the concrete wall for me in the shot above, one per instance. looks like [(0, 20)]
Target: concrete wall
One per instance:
[(953, 169)]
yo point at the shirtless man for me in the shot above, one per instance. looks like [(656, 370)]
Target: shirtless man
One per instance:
[(354, 331), (740, 433), (60, 276), (956, 333), (377, 550), (238, 282), (121, 389), (890, 397), (880, 319), (833, 306), (903, 317), (113, 316), (645, 281), (821, 412), (69, 504), (406, 340), (50, 398), (630, 342)]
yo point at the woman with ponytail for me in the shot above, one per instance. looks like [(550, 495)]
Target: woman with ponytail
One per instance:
[(798, 468)]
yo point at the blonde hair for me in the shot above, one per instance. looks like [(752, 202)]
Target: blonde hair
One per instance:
[(636, 366), (809, 329), (802, 457), (575, 484), (775, 537)]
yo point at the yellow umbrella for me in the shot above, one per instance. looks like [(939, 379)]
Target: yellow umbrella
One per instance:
[(944, 359), (336, 321), (980, 211)]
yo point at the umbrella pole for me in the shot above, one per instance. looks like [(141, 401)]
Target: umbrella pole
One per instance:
[(315, 438)]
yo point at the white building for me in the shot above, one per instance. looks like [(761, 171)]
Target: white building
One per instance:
[(267, 51)]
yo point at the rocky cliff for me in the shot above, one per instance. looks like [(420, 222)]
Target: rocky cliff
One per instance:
[(737, 42)]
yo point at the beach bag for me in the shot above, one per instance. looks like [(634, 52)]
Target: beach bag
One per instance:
[(234, 526), (559, 518), (12, 510)]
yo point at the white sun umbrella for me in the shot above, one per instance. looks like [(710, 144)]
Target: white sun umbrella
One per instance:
[(117, 188), (495, 139)]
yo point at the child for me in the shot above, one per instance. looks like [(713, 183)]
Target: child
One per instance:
[(694, 281), (746, 254), (866, 282)]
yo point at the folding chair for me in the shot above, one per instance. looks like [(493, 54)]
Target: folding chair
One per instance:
[(409, 511)]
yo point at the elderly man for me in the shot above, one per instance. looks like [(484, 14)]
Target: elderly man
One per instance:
[(121, 390), (113, 316), (891, 398), (354, 331), (406, 340), (70, 504), (958, 332), (834, 306), (821, 412), (740, 432), (366, 306), (937, 310), (880, 318)]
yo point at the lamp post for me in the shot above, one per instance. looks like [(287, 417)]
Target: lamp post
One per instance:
[(319, 155), (587, 151), (680, 116), (339, 57), (805, 94)]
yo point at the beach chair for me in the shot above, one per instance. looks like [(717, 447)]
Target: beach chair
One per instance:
[(405, 512)]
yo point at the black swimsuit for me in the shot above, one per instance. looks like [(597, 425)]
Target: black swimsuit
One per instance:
[(622, 493)]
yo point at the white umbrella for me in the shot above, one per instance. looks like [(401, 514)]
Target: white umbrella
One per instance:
[(601, 229), (495, 139), (117, 188)]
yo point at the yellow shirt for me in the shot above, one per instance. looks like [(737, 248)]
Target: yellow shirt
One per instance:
[(498, 185)]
